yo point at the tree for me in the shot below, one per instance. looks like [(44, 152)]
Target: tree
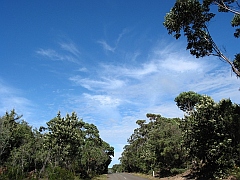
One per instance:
[(22, 158), (117, 168), (154, 146), (63, 139), (68, 146), (211, 136), (191, 18), (76, 146), (187, 101), (10, 134)]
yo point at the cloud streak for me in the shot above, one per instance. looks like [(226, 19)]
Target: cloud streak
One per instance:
[(106, 45), (69, 53), (71, 48), (11, 98)]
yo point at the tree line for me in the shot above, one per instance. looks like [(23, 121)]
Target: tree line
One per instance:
[(67, 148), (206, 140)]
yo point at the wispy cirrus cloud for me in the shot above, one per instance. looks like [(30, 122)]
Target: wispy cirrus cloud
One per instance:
[(71, 48), (68, 52), (108, 47), (155, 82), (102, 84), (103, 100)]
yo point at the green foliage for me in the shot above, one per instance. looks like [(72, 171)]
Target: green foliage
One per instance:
[(68, 146), (13, 173), (211, 136), (191, 18), (235, 172), (117, 168), (10, 135), (187, 101), (208, 138), (236, 61), (59, 173), (153, 146)]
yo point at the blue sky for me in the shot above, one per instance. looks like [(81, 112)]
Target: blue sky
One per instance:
[(110, 61)]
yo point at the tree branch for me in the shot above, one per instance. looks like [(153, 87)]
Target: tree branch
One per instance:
[(227, 8), (220, 54)]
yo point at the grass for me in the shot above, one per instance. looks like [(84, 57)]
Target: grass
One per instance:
[(101, 177), (145, 176)]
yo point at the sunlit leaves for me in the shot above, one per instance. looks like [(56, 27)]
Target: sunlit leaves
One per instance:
[(211, 136), (187, 101), (153, 145), (66, 144)]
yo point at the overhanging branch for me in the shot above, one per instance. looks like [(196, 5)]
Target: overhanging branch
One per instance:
[(224, 6)]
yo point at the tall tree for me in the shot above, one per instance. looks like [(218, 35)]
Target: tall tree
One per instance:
[(75, 145), (10, 134), (153, 146), (63, 139), (211, 136), (191, 18)]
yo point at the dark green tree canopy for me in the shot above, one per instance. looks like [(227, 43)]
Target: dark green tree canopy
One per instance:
[(211, 137), (191, 17), (186, 101)]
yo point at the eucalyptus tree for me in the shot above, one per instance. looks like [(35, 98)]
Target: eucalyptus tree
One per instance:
[(10, 136), (16, 146), (22, 159), (65, 147), (75, 145), (211, 136), (63, 139), (153, 146), (96, 154), (191, 18)]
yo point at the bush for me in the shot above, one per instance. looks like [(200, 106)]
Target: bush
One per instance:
[(13, 173), (236, 172), (175, 171), (59, 173)]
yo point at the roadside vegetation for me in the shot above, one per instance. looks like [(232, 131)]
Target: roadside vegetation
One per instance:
[(67, 148), (206, 140)]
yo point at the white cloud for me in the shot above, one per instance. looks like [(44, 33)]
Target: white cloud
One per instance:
[(11, 98), (50, 53), (70, 53), (98, 85), (70, 47), (106, 46), (180, 65), (102, 100), (145, 69), (84, 69), (53, 55)]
